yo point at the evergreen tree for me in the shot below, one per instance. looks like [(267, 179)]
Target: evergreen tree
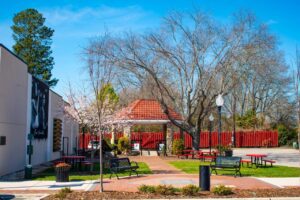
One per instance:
[(33, 44)]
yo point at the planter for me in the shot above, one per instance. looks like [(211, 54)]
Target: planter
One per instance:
[(228, 153), (62, 174)]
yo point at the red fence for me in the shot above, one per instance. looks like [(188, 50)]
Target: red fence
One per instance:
[(243, 139)]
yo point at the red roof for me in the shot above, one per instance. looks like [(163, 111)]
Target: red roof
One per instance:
[(145, 109)]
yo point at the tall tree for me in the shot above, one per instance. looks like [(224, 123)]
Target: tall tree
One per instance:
[(188, 62), (33, 44)]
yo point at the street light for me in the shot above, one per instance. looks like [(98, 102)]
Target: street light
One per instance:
[(220, 103), (211, 119)]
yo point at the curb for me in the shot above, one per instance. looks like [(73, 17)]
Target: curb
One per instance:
[(258, 198)]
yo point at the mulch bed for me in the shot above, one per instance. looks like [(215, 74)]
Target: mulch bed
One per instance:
[(285, 192)]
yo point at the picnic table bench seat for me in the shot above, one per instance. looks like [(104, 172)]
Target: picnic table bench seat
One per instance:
[(246, 161), (184, 155), (268, 161), (117, 165), (227, 163)]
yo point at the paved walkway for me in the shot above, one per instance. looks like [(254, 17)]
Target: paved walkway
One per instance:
[(44, 185), (283, 156), (157, 164), (164, 173)]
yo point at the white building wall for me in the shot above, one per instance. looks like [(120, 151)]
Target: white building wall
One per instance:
[(15, 117), (13, 111), (56, 112)]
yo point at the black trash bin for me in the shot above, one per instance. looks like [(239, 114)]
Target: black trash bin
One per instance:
[(62, 172), (204, 182)]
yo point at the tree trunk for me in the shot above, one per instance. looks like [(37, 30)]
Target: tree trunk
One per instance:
[(234, 121), (181, 134), (100, 156), (195, 140)]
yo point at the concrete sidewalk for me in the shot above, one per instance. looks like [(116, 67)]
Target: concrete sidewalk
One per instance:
[(282, 182), (45, 185)]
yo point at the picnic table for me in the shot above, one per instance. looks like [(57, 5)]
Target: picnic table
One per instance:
[(188, 152), (257, 159), (75, 161), (203, 155)]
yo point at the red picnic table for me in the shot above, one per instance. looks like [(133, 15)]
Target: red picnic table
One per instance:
[(257, 159), (211, 155), (74, 160), (188, 152)]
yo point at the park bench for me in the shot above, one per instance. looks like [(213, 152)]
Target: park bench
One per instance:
[(117, 165), (268, 161), (227, 163)]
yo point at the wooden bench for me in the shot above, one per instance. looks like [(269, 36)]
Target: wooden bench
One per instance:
[(246, 161), (117, 165), (269, 161), (227, 163)]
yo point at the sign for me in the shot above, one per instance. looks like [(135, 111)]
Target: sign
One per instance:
[(161, 147), (29, 149), (39, 109)]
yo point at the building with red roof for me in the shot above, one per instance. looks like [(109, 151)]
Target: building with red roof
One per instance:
[(145, 111)]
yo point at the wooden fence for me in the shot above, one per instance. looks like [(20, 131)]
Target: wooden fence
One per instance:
[(149, 140)]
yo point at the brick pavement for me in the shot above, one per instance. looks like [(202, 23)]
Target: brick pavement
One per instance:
[(164, 173)]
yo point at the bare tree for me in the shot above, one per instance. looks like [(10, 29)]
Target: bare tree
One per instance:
[(260, 76), (189, 61), (101, 74)]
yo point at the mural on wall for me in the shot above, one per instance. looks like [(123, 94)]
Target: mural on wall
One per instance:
[(57, 132), (39, 109)]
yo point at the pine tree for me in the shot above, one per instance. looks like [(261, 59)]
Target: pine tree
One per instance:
[(33, 44)]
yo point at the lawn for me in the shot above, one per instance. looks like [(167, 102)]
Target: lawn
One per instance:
[(192, 167), (49, 174)]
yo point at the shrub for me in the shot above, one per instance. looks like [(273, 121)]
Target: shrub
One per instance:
[(107, 145), (286, 136), (165, 190), (190, 190), (124, 144), (177, 147), (146, 189), (222, 190), (63, 193)]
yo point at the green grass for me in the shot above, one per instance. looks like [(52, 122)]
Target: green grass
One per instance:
[(192, 167), (49, 174)]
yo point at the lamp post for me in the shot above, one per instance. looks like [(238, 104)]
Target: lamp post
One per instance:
[(211, 119), (220, 103)]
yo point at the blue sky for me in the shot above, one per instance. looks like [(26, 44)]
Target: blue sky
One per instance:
[(75, 21)]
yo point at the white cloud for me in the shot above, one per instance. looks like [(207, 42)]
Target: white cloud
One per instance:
[(271, 22), (67, 15), (91, 21)]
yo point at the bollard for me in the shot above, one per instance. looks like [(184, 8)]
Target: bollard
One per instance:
[(204, 179)]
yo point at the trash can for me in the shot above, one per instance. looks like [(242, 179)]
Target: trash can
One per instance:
[(62, 172), (204, 182), (295, 145)]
